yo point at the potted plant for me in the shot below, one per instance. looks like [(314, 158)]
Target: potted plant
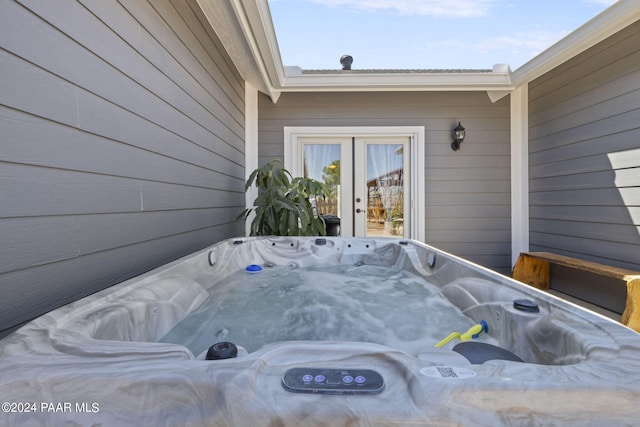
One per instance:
[(283, 207)]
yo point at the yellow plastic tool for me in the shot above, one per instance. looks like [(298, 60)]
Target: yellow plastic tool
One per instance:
[(474, 332)]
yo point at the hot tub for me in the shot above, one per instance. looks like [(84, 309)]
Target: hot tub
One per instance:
[(134, 354)]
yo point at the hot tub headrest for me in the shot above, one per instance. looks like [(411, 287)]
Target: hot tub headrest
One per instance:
[(480, 352)]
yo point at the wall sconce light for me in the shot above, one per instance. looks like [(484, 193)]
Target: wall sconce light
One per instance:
[(458, 137)]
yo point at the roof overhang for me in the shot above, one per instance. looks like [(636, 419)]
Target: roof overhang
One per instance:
[(245, 28), (498, 79)]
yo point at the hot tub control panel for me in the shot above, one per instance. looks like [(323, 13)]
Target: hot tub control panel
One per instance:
[(332, 381)]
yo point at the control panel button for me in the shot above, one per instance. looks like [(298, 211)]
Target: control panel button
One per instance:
[(332, 381)]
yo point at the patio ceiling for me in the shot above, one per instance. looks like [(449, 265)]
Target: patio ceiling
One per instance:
[(246, 30)]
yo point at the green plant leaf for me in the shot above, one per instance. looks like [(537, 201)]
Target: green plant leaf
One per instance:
[(282, 205)]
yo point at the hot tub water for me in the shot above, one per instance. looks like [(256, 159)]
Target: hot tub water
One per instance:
[(383, 305)]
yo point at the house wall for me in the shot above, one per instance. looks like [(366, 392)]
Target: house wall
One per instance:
[(467, 192), (122, 145), (584, 151)]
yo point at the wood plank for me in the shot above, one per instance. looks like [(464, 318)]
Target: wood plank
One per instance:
[(533, 268), (631, 314), (532, 271), (594, 267)]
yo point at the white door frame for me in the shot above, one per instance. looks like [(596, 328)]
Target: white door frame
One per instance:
[(416, 134)]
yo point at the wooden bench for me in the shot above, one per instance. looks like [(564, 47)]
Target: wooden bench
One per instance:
[(532, 268)]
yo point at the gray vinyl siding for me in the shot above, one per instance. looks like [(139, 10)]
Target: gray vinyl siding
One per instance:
[(467, 192), (122, 145), (584, 153)]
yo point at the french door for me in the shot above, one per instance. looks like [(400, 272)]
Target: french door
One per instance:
[(368, 180)]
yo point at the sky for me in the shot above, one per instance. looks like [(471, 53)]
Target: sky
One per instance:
[(424, 34)]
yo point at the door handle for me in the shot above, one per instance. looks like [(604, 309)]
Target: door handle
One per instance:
[(359, 210)]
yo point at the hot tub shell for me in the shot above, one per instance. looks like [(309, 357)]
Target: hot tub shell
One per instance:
[(98, 360)]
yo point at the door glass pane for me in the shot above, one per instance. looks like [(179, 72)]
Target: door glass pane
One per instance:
[(322, 163), (385, 190)]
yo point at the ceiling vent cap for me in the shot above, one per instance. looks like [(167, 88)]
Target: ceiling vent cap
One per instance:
[(346, 61)]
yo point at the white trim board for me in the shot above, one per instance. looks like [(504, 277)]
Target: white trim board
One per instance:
[(251, 145), (519, 172)]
